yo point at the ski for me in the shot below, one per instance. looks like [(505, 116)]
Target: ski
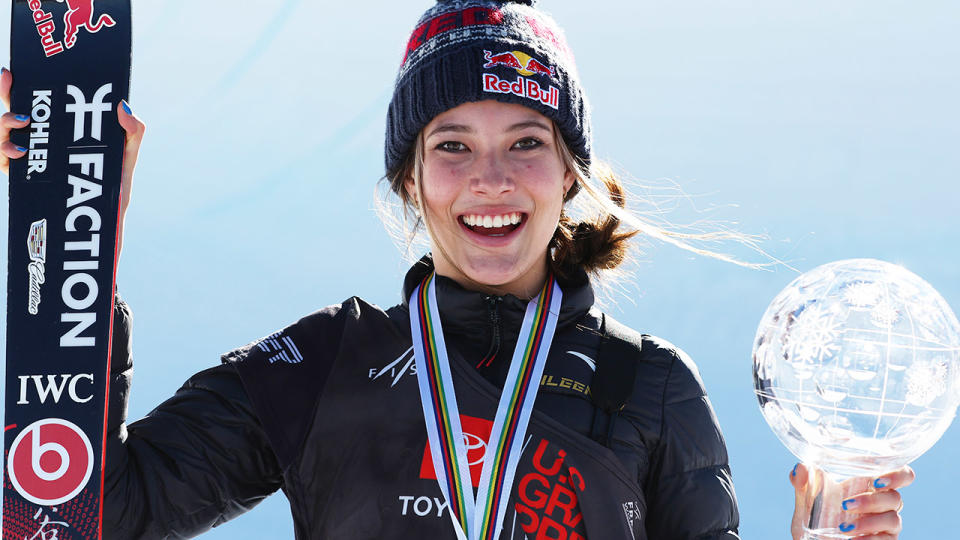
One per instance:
[(71, 65)]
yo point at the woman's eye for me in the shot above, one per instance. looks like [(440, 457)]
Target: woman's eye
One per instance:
[(528, 143), (452, 146)]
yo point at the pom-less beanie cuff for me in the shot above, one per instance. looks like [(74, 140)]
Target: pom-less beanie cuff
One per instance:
[(472, 50)]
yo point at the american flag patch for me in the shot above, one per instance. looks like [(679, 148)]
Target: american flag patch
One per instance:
[(284, 347)]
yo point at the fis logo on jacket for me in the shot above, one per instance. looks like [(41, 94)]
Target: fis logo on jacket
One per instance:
[(395, 369)]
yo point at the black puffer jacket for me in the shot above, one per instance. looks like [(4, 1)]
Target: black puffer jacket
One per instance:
[(328, 410)]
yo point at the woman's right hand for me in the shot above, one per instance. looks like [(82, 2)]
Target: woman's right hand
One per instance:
[(131, 125)]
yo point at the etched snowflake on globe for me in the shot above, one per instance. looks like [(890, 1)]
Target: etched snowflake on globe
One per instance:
[(857, 366)]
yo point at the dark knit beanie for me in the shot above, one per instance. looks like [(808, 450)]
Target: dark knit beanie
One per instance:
[(472, 50)]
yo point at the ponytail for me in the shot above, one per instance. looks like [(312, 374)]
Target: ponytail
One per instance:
[(592, 244)]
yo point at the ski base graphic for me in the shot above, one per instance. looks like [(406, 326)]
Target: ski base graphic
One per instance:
[(71, 65)]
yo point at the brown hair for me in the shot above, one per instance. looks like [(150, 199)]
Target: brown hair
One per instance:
[(593, 244)]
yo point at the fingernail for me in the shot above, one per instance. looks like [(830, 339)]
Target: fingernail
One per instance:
[(126, 108), (881, 483), (847, 527), (794, 471), (22, 117), (849, 503), (21, 149), (3, 70)]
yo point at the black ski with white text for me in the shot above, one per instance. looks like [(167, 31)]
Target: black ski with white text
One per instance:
[(70, 61)]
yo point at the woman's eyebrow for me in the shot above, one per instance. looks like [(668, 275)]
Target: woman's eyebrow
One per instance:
[(453, 128), (529, 124), (462, 128)]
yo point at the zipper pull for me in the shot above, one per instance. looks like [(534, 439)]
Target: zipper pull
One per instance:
[(493, 307)]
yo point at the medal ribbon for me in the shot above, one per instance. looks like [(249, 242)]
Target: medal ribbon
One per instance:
[(483, 518)]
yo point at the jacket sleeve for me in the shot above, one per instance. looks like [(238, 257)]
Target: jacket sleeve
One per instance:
[(690, 489), (197, 460)]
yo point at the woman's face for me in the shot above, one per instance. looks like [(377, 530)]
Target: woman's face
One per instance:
[(493, 187)]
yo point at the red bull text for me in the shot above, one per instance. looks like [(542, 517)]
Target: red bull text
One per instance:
[(523, 87), (45, 28)]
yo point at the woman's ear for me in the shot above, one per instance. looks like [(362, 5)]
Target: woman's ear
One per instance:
[(410, 186), (568, 180)]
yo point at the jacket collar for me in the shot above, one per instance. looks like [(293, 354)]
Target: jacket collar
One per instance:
[(461, 310)]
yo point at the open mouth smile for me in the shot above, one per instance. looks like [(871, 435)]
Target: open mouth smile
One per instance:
[(493, 226)]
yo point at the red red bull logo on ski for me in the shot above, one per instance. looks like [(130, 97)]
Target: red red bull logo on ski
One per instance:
[(79, 14), (525, 87)]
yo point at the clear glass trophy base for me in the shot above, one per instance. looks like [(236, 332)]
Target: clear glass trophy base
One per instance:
[(826, 493)]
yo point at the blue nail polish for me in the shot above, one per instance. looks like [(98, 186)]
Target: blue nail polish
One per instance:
[(21, 117), (794, 472), (849, 503), (847, 527), (21, 149), (126, 108), (880, 483)]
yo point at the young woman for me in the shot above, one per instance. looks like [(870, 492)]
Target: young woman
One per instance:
[(488, 139)]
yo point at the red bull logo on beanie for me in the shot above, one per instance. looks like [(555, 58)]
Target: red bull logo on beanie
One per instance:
[(525, 65)]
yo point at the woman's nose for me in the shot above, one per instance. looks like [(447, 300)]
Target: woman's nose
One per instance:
[(491, 176)]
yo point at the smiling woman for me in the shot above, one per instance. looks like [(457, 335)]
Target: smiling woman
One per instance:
[(491, 190), (533, 414)]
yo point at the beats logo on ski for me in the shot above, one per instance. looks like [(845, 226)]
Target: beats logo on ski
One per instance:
[(50, 461)]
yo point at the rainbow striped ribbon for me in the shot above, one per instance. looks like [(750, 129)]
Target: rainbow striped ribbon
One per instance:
[(481, 519)]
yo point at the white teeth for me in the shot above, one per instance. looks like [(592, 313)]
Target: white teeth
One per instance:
[(489, 222)]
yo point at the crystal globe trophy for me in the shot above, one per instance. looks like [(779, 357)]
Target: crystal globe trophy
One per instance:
[(856, 365)]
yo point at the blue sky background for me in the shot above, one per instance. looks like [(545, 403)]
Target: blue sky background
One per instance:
[(831, 127)]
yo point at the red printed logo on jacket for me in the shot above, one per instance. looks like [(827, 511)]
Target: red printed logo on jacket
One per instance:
[(476, 433), (548, 505)]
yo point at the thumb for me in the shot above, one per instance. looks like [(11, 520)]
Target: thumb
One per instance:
[(799, 478)]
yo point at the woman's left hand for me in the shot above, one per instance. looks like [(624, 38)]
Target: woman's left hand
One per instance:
[(876, 511)]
